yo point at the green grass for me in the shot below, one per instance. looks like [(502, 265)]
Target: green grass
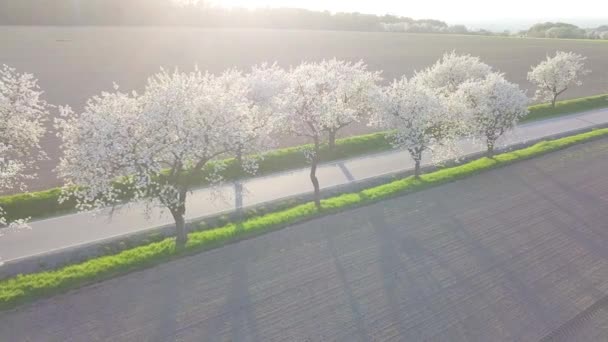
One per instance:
[(545, 111), (24, 288), (45, 203)]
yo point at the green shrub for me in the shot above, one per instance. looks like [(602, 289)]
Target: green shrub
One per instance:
[(35, 204), (45, 203), (24, 288), (544, 111)]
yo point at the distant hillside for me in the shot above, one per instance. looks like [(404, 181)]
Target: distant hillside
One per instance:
[(564, 30), (169, 12), (199, 14)]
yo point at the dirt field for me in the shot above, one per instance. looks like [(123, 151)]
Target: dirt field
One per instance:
[(73, 64), (514, 254)]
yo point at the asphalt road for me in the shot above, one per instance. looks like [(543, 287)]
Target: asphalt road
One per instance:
[(81, 228), (514, 254)]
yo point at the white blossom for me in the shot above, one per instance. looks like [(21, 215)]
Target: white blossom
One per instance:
[(22, 117), (303, 109), (418, 116), (13, 226), (328, 95), (154, 142), (350, 94), (448, 73), (260, 88), (492, 106), (555, 75), (266, 83)]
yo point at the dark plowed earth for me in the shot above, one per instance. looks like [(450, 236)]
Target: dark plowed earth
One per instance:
[(515, 254), (75, 63), (590, 323)]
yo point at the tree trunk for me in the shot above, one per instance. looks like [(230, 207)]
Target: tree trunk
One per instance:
[(238, 186), (332, 140), (490, 146), (313, 174), (179, 215), (239, 157), (417, 156), (553, 101), (238, 199)]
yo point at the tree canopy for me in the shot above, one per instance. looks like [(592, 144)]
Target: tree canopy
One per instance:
[(555, 30)]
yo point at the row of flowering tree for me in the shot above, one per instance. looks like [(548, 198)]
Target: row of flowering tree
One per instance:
[(458, 97), (22, 117), (322, 98), (184, 122), (154, 141)]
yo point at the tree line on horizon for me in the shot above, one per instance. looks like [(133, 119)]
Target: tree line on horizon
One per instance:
[(172, 12), (199, 13), (567, 31)]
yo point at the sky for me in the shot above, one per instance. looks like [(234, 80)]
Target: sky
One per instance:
[(452, 11)]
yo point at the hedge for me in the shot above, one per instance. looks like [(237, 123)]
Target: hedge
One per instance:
[(545, 111)]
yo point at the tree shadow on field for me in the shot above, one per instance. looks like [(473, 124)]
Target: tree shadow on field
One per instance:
[(355, 308), (391, 278), (571, 222), (239, 306), (538, 313), (168, 306), (411, 289)]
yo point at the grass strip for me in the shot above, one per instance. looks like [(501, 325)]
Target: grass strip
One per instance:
[(545, 111), (25, 288), (45, 203)]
